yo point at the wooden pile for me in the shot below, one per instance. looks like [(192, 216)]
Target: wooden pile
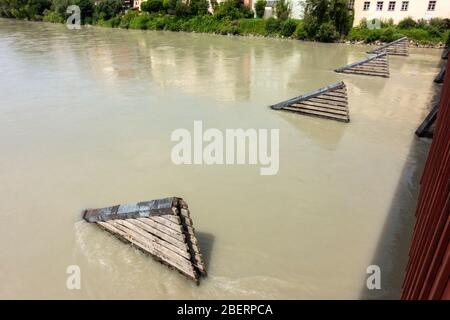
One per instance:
[(329, 102), (377, 66), (398, 47), (162, 228), (441, 75)]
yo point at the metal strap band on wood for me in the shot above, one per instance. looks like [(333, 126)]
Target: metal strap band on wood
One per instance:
[(329, 102), (397, 47), (377, 65), (162, 228)]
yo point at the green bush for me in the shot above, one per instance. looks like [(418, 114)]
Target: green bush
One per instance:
[(52, 16), (272, 25), (300, 32), (139, 22), (407, 23), (260, 8), (288, 27), (327, 32), (126, 19), (441, 25), (252, 26), (107, 9), (233, 10), (282, 9), (152, 6)]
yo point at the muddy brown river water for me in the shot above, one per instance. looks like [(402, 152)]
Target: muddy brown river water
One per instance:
[(85, 121)]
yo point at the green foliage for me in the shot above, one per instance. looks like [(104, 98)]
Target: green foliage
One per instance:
[(24, 9), (107, 9), (407, 23), (288, 27), (252, 26), (125, 20), (272, 25), (282, 9), (327, 19), (152, 6), (139, 22), (52, 16), (232, 10), (300, 32), (260, 7), (198, 7), (327, 32)]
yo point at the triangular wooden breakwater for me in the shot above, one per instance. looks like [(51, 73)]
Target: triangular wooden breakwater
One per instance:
[(377, 66), (162, 228), (399, 47), (329, 102)]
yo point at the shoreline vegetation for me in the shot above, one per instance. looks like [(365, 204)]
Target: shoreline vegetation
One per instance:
[(324, 20)]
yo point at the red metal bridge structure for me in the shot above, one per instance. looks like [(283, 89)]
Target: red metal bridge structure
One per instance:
[(428, 270)]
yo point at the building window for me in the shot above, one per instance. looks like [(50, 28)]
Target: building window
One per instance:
[(366, 6), (405, 5), (391, 6), (351, 4), (379, 5), (431, 5)]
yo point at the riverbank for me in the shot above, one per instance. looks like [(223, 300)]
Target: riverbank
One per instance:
[(421, 36)]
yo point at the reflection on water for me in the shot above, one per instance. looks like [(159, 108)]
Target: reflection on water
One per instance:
[(85, 121)]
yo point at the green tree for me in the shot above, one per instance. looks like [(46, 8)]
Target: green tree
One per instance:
[(152, 6), (282, 9), (107, 9), (260, 8)]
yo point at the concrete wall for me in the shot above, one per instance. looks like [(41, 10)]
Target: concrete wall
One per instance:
[(417, 9)]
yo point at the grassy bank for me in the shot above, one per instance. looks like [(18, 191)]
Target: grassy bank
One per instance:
[(290, 28)]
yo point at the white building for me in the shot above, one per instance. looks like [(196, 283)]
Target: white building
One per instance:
[(399, 9)]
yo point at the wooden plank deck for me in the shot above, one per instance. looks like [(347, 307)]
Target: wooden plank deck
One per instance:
[(162, 228), (329, 102), (399, 47), (377, 66)]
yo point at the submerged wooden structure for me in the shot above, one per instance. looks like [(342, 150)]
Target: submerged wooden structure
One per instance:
[(441, 75), (377, 66), (162, 228), (399, 47), (424, 129), (329, 102)]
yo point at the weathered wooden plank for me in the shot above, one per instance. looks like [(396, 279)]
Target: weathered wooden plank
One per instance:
[(315, 93), (188, 271), (304, 106), (318, 114), (397, 47), (163, 228), (181, 250), (169, 224), (328, 104), (322, 105), (152, 248), (176, 242), (361, 62)]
